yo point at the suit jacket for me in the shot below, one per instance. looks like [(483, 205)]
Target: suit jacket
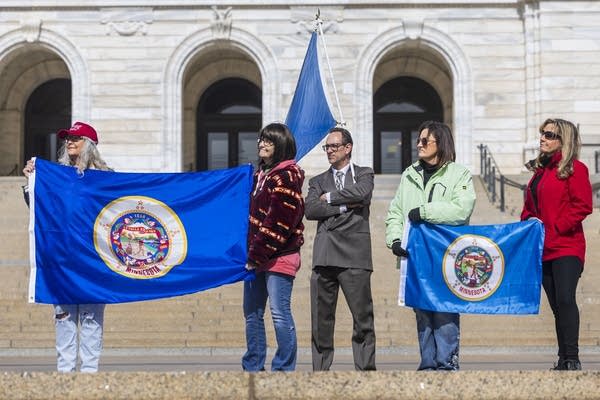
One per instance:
[(342, 239)]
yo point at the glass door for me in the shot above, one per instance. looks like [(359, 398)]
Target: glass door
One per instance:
[(218, 150), (228, 121)]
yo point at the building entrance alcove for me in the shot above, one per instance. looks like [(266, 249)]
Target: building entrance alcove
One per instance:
[(35, 101), (48, 110), (400, 105), (229, 117), (412, 83), (223, 107)]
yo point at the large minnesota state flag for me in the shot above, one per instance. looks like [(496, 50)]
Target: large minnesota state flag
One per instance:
[(108, 237), (480, 269)]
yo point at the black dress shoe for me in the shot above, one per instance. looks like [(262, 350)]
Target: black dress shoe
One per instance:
[(572, 365)]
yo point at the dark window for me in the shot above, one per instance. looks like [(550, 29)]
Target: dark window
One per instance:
[(229, 118), (48, 110), (399, 106)]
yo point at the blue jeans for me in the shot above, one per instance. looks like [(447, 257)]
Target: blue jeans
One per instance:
[(278, 288), (439, 335), (89, 318)]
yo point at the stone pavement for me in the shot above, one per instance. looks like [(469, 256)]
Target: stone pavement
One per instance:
[(342, 385)]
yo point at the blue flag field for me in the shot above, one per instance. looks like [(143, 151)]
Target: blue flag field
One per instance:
[(309, 117), (108, 237), (478, 269)]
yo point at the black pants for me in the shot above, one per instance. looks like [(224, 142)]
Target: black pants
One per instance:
[(356, 286), (560, 277)]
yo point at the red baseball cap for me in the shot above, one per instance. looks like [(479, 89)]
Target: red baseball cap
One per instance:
[(79, 129)]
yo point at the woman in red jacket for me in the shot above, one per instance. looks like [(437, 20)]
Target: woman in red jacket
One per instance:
[(274, 240), (560, 195)]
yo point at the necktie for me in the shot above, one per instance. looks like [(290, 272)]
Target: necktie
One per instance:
[(339, 180)]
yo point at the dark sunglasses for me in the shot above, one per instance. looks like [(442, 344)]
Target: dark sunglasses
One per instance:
[(550, 135), (425, 141), (72, 138)]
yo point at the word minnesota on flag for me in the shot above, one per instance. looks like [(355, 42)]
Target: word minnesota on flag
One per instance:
[(140, 237), (479, 269)]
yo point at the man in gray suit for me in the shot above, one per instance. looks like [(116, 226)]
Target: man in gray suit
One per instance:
[(339, 199)]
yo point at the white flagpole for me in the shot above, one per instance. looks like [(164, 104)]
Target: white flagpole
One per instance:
[(319, 23)]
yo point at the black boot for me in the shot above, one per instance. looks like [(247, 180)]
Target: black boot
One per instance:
[(572, 365), (559, 366)]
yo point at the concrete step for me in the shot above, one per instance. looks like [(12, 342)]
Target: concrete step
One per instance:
[(11, 196)]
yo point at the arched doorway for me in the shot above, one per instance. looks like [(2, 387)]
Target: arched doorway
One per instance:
[(48, 110), (36, 93), (400, 105), (229, 117)]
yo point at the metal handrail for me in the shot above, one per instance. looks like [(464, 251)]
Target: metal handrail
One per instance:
[(490, 173)]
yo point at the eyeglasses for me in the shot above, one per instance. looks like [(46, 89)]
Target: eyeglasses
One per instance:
[(332, 146), (424, 141), (72, 138), (548, 135), (265, 142)]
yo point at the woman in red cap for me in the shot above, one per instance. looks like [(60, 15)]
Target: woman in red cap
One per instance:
[(73, 321)]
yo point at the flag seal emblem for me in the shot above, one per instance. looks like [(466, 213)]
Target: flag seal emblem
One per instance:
[(473, 267), (139, 237)]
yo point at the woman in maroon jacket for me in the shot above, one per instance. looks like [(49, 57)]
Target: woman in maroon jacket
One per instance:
[(274, 240), (560, 195)]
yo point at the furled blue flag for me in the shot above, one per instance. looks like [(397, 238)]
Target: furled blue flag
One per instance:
[(108, 237), (479, 269), (309, 117)]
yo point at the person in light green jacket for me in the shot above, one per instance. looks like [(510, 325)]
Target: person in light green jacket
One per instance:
[(436, 190)]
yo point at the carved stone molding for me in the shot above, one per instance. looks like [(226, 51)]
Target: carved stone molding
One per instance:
[(32, 29), (305, 26), (304, 19), (221, 23), (126, 21), (413, 28)]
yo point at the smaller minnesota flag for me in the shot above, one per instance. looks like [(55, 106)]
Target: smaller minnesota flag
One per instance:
[(477, 269)]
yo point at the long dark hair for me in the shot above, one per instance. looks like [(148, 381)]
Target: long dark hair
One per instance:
[(443, 136), (285, 144)]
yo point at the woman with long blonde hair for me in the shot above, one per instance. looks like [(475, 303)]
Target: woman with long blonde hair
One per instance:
[(560, 195)]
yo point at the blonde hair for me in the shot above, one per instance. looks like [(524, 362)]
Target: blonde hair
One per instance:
[(88, 158), (571, 146)]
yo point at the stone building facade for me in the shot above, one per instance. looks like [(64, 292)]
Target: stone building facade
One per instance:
[(184, 85)]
